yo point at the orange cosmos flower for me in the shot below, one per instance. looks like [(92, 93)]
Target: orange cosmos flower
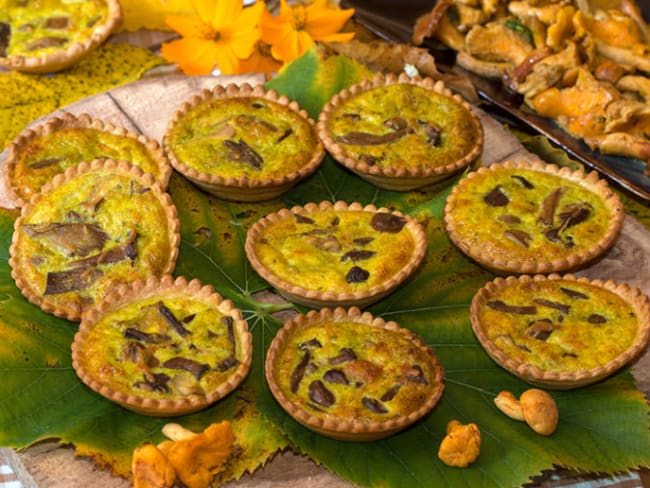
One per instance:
[(221, 33), (292, 32), (261, 61)]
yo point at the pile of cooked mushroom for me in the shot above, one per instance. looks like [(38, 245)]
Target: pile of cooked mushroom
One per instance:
[(583, 63)]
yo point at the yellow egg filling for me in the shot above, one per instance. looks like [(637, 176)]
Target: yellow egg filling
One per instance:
[(559, 325), (339, 251), (250, 137), (403, 126), (96, 229), (50, 154), (348, 371), (525, 215), (168, 346), (40, 27)]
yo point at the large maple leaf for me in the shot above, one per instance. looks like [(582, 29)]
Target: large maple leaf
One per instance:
[(602, 428)]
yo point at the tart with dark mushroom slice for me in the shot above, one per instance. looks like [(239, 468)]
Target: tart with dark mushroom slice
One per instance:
[(44, 37), (521, 217), (335, 254), (96, 225), (350, 376), (243, 143), (561, 332), (37, 154), (400, 133), (163, 347)]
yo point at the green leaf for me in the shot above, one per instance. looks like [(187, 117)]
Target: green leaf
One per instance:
[(602, 428), (517, 27), (313, 78)]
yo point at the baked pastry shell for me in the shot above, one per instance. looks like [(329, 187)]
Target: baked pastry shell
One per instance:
[(351, 430), (396, 178), (64, 58), (21, 142), (243, 188), (139, 290), (316, 299), (122, 167), (504, 266), (562, 380)]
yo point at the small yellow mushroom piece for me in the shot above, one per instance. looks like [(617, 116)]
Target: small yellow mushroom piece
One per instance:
[(177, 432), (151, 469), (508, 404), (461, 446), (540, 411)]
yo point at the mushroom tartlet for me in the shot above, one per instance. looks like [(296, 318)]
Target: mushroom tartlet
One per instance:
[(520, 217), (163, 347), (558, 331), (39, 153), (243, 143), (335, 254), (96, 225), (350, 376), (400, 133), (43, 37)]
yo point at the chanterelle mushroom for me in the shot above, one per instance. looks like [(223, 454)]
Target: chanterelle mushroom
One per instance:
[(198, 457), (540, 411), (536, 407), (151, 468), (193, 458), (461, 446)]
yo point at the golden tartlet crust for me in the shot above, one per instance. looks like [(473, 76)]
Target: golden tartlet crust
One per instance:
[(20, 191), (154, 288), (495, 257), (359, 429), (71, 308), (398, 177), (243, 188), (333, 298), (558, 379), (66, 57)]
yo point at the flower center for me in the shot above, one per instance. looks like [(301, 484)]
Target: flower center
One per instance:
[(264, 49), (299, 17)]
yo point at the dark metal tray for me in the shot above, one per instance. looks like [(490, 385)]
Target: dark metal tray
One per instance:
[(396, 24)]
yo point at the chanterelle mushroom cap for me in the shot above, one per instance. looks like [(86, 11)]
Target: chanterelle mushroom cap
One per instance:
[(198, 457), (540, 411)]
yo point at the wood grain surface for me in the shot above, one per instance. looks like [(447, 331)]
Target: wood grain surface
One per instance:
[(146, 106)]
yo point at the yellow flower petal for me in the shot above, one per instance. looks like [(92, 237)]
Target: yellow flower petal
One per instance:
[(293, 45), (186, 26), (323, 21), (260, 61), (194, 56), (243, 44), (227, 61), (338, 37), (272, 28), (225, 13), (245, 30), (285, 9), (204, 9), (251, 15)]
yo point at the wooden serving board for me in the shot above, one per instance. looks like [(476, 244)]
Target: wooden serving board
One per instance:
[(145, 107)]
